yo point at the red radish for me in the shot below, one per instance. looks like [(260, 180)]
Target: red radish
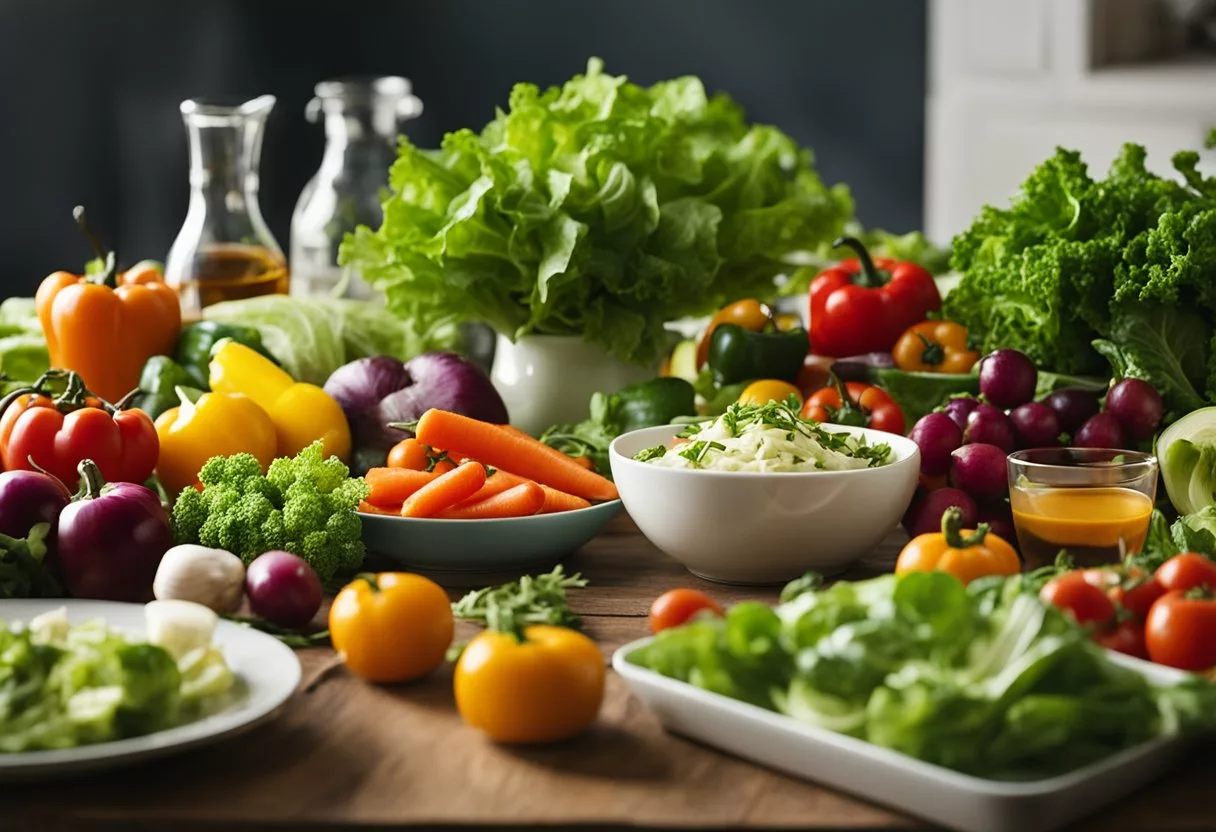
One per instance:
[(283, 589), (925, 513), (936, 435), (981, 471)]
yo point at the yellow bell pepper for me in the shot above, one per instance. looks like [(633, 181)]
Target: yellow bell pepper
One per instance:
[(217, 424), (301, 413)]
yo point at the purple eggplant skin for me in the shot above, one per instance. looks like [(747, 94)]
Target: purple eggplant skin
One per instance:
[(857, 367), (378, 390), (28, 498), (111, 539)]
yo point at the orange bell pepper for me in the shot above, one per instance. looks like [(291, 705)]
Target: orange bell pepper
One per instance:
[(935, 347), (105, 326)]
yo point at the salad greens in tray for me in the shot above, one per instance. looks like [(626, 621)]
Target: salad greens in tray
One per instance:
[(986, 680)]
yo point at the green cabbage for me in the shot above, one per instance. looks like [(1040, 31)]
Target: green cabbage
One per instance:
[(600, 208), (312, 337)]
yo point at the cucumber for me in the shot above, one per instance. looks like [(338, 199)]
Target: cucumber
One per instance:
[(1186, 452)]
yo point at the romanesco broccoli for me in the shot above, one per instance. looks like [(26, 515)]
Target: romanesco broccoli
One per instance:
[(304, 505)]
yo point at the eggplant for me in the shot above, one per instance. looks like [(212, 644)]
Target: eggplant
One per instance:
[(111, 539), (858, 367), (378, 390)]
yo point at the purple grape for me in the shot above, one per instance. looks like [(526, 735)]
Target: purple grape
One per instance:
[(959, 409), (1101, 430), (1072, 406), (925, 513), (989, 425), (1035, 425), (936, 435), (1000, 522), (1137, 406), (1007, 378), (981, 471)]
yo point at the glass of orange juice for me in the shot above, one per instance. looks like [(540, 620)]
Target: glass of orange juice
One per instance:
[(1091, 502)]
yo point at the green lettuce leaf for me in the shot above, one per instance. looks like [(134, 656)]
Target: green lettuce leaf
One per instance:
[(599, 208)]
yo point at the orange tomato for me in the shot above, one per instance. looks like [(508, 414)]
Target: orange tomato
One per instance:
[(391, 627), (769, 390), (749, 313), (545, 688), (965, 554)]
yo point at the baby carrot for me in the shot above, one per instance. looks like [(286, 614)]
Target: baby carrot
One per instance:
[(508, 450), (556, 501), (368, 508), (445, 491), (521, 500), (496, 483), (390, 487)]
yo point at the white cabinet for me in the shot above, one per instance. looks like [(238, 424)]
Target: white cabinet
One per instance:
[(1013, 79)]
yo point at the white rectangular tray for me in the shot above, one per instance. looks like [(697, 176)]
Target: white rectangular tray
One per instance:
[(958, 801)]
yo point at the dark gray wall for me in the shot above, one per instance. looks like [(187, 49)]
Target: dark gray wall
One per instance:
[(89, 108)]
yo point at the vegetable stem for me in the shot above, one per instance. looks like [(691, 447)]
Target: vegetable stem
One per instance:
[(870, 277), (109, 276), (952, 530)]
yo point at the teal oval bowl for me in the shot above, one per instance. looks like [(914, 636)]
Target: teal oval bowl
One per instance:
[(483, 545)]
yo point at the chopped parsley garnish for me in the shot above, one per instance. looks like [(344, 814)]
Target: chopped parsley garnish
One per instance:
[(650, 453)]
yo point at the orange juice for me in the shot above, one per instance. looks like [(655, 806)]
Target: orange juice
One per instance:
[(1090, 523)]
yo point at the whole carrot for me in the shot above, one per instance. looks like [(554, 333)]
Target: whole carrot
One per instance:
[(521, 500), (508, 450), (445, 491), (556, 501), (390, 487), (368, 508)]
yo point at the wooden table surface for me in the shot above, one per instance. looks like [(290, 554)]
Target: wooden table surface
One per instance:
[(352, 755)]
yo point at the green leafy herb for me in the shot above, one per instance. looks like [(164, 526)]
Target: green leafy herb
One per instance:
[(599, 208), (530, 600)]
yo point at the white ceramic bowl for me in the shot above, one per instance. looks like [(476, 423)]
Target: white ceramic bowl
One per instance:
[(761, 528)]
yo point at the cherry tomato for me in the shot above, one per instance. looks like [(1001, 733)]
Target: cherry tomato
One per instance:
[(395, 627), (1134, 590), (545, 688), (1181, 631), (879, 410), (769, 390), (676, 606), (1186, 571), (1127, 638), (1086, 603)]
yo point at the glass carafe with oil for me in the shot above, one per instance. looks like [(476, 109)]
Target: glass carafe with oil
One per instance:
[(225, 250)]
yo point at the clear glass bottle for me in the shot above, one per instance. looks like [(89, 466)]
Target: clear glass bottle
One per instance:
[(362, 119), (224, 250)]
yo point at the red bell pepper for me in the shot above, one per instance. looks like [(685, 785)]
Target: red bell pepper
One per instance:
[(40, 430), (863, 305)]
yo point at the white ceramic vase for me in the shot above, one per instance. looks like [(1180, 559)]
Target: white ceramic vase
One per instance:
[(546, 379)]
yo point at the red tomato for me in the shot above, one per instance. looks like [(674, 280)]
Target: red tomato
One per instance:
[(1127, 638), (677, 606), (1134, 591), (1086, 603), (1181, 631), (1186, 571)]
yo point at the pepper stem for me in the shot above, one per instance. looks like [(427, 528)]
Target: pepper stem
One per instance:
[(952, 530), (370, 578), (933, 354), (91, 481), (109, 276), (870, 276), (74, 396), (849, 413)]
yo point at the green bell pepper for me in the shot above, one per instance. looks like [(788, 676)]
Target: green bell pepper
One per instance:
[(737, 354), (157, 385), (194, 347)]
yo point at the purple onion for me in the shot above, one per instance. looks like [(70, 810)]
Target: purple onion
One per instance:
[(28, 498), (111, 539)]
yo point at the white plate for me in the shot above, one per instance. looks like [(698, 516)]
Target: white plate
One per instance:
[(267, 674), (955, 800)]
